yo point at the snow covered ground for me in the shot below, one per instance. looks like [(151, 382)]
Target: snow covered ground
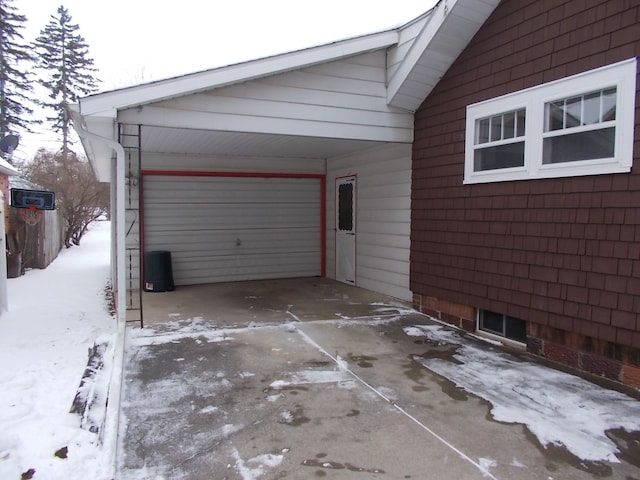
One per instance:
[(55, 316), (558, 408)]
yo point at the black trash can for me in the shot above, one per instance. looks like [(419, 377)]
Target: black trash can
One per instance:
[(158, 273), (14, 265)]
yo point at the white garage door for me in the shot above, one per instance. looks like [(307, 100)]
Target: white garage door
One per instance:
[(221, 229)]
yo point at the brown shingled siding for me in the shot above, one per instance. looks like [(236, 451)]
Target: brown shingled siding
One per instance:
[(563, 253)]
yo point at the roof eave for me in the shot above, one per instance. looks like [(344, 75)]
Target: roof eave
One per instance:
[(7, 169), (108, 103), (434, 51), (98, 153)]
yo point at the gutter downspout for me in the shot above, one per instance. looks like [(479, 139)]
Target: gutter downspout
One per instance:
[(84, 134), (110, 430)]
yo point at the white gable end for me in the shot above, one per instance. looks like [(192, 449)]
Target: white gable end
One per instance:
[(429, 46), (343, 99)]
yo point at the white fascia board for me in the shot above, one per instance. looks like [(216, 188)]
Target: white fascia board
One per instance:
[(475, 12), (7, 168), (98, 154), (420, 44), (109, 102)]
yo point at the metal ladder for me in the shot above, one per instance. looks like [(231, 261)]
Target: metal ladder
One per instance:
[(130, 137)]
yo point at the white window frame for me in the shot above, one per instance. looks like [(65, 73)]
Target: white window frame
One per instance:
[(621, 75)]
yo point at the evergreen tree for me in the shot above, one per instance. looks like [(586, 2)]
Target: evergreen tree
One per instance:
[(63, 56), (15, 80)]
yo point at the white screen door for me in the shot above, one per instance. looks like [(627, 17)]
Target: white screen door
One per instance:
[(346, 230)]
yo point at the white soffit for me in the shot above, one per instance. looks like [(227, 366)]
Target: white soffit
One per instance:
[(450, 27)]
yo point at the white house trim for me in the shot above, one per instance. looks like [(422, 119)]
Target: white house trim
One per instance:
[(444, 35), (7, 168), (180, 86)]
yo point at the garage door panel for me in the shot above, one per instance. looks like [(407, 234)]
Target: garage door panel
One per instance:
[(243, 263), (234, 191), (223, 217), (241, 268), (205, 240), (259, 243), (228, 229)]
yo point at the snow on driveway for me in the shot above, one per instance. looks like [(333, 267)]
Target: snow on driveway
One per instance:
[(558, 408), (243, 384)]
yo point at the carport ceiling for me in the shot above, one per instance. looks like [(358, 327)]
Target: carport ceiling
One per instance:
[(215, 142)]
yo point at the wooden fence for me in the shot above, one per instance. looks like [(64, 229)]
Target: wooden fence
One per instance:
[(38, 245)]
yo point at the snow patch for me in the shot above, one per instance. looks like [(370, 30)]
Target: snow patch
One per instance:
[(287, 416), (558, 408), (487, 463), (306, 377), (209, 409), (255, 467)]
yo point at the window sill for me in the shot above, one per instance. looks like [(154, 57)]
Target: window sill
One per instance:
[(558, 170), (503, 341)]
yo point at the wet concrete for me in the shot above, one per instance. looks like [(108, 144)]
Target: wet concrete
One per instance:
[(316, 380)]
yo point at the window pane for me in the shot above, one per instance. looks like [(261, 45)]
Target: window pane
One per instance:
[(589, 109), (500, 156), (345, 207), (591, 112), (483, 130), (579, 146), (555, 114), (496, 128), (520, 121), (492, 322), (500, 127), (515, 329), (508, 125), (572, 112), (609, 105)]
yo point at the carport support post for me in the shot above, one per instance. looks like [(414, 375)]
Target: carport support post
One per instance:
[(3, 261)]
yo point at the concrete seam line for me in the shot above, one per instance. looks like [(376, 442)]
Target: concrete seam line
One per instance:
[(341, 364)]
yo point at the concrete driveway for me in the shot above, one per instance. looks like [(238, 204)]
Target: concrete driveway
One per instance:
[(311, 379)]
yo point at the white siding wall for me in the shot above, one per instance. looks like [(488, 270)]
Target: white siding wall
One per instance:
[(407, 36), (342, 99), (383, 217)]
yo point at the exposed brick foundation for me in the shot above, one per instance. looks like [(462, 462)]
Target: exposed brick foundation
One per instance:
[(461, 316), (631, 376), (598, 357)]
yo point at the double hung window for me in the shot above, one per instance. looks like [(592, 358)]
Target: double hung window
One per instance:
[(500, 141), (579, 125)]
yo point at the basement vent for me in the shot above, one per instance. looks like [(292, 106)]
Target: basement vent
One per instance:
[(503, 326)]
